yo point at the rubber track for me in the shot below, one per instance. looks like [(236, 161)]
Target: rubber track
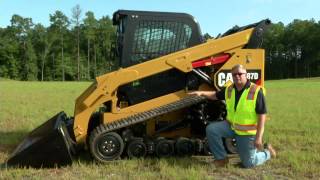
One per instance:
[(144, 116)]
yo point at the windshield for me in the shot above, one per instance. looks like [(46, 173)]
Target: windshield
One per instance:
[(157, 38)]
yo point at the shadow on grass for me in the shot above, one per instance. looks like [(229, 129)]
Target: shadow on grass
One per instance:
[(153, 163), (150, 162), (9, 140), (187, 162)]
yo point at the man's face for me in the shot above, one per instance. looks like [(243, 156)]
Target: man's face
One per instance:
[(239, 76)]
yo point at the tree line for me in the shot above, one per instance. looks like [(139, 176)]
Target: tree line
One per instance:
[(292, 51), (78, 48), (73, 48)]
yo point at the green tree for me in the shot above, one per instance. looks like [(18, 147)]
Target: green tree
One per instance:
[(59, 24), (105, 36), (9, 50), (207, 36), (42, 41), (274, 50), (90, 25), (76, 14), (21, 27)]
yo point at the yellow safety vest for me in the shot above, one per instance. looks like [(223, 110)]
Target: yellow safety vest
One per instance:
[(244, 119)]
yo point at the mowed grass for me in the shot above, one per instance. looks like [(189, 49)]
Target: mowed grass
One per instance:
[(293, 127)]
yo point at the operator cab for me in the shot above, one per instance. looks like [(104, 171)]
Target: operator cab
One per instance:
[(142, 36)]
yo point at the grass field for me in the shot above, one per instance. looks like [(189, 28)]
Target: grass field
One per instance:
[(293, 127)]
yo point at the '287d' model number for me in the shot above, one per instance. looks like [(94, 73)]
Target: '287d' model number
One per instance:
[(253, 76)]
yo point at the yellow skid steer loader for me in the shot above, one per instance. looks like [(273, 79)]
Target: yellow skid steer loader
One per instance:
[(142, 109)]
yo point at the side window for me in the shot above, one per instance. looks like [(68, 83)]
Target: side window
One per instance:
[(157, 38)]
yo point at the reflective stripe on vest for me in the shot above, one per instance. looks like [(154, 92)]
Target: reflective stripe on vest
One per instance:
[(250, 127), (252, 90)]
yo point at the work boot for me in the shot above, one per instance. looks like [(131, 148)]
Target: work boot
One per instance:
[(221, 162), (273, 152)]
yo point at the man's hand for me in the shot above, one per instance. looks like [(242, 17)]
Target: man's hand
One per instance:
[(196, 93), (258, 143), (208, 94)]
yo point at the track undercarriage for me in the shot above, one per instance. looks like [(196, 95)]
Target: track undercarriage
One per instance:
[(128, 138)]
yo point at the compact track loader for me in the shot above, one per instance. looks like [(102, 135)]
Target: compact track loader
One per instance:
[(142, 109)]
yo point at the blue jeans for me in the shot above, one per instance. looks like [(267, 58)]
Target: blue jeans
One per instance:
[(249, 155)]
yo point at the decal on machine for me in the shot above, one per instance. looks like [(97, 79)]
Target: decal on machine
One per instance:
[(225, 76)]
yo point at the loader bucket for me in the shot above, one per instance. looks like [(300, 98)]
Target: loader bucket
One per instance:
[(49, 145)]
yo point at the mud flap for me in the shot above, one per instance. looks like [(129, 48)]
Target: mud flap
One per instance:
[(49, 145)]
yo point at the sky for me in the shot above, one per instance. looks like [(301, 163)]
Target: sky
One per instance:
[(213, 16)]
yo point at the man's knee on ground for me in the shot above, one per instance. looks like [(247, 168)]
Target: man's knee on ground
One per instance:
[(248, 163)]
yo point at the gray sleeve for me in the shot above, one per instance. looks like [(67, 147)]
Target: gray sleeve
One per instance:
[(261, 107)]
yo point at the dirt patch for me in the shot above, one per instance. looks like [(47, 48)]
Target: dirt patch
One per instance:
[(4, 152), (5, 148)]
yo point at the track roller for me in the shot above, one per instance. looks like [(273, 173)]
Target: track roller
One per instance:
[(184, 147), (164, 147), (136, 148)]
